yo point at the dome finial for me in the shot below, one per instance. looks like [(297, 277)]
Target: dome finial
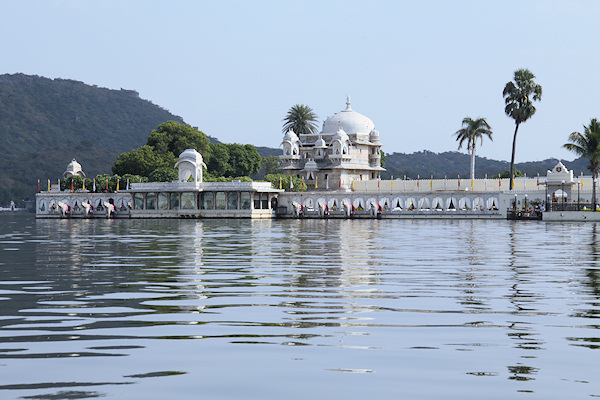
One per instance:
[(348, 103)]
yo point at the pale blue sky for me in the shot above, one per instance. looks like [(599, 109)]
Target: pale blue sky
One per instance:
[(234, 68)]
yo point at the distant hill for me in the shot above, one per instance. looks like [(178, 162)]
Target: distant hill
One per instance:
[(44, 123), (452, 163)]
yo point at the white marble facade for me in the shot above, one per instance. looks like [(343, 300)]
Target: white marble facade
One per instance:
[(347, 149)]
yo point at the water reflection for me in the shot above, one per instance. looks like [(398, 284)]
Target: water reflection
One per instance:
[(129, 302)]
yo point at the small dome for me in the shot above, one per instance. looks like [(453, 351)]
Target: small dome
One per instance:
[(73, 168), (320, 143), (311, 166), (374, 133), (192, 156), (290, 136), (341, 135), (348, 120)]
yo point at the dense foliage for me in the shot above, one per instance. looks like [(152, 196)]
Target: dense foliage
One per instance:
[(99, 184), (233, 159), (156, 160), (286, 182)]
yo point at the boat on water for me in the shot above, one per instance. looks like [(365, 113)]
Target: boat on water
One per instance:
[(524, 215)]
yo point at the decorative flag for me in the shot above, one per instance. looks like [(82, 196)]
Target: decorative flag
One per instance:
[(316, 180), (38, 186), (404, 182), (525, 182), (366, 185), (581, 180), (302, 183), (485, 182), (499, 182), (340, 184), (48, 184), (107, 186), (280, 182), (472, 182), (94, 187), (392, 182), (445, 182), (538, 179), (291, 182), (353, 184), (127, 187), (118, 184), (431, 185), (378, 181), (83, 186), (459, 182), (71, 186), (59, 184), (418, 181), (327, 183)]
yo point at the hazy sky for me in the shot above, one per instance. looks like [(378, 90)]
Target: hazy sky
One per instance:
[(234, 68)]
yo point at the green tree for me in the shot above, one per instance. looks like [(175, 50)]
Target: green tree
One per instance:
[(285, 182), (244, 160), (218, 165), (473, 129), (163, 174), (587, 144), (271, 164), (142, 161), (506, 174), (173, 137), (301, 119), (101, 183), (519, 96), (382, 162)]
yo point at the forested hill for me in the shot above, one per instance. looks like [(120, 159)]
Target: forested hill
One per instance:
[(44, 123), (452, 163)]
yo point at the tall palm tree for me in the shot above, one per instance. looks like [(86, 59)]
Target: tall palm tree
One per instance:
[(519, 96), (473, 129), (301, 119), (588, 145)]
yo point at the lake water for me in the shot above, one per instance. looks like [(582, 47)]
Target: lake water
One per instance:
[(297, 309)]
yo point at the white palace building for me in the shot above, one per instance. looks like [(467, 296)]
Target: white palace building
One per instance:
[(346, 150), (341, 166)]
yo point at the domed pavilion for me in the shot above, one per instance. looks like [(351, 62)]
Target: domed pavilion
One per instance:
[(347, 149)]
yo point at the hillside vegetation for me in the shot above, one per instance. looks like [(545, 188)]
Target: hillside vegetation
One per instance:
[(44, 123), (453, 163)]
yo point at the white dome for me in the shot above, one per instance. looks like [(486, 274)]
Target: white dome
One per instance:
[(340, 135), (348, 120), (320, 143), (73, 168), (290, 136), (192, 156)]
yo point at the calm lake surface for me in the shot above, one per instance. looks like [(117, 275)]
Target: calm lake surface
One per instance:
[(297, 309)]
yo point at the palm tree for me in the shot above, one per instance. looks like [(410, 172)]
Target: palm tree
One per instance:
[(588, 145), (472, 130), (520, 95), (301, 119)]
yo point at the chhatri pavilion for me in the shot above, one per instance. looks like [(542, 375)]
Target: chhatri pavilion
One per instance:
[(347, 149)]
